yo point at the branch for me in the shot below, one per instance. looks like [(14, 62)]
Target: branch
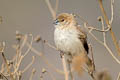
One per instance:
[(5, 60), (51, 9), (44, 58), (91, 27), (103, 43), (65, 67), (38, 39), (56, 6), (93, 63), (109, 25), (29, 47), (4, 76), (118, 78), (32, 73), (29, 65), (92, 76), (112, 13)]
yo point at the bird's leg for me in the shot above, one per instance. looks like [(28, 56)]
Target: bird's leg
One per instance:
[(61, 54)]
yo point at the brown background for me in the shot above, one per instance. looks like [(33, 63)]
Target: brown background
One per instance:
[(33, 16)]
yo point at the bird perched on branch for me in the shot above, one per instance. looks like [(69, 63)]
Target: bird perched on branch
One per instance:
[(70, 38)]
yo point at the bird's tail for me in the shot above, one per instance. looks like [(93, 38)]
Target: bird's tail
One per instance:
[(79, 63)]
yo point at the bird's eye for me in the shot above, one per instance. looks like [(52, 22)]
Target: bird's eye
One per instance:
[(62, 20)]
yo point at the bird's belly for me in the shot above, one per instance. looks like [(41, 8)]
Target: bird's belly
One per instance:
[(68, 42)]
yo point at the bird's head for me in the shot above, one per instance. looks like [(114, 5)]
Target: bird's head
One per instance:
[(65, 20)]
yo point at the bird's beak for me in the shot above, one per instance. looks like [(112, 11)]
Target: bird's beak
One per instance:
[(56, 22)]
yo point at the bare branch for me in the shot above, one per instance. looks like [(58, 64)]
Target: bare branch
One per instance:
[(91, 27), (70, 76), (111, 53), (5, 60), (29, 65), (29, 47), (109, 25), (32, 74), (44, 58), (56, 6), (4, 76), (103, 43), (90, 32), (65, 68), (118, 78), (93, 64), (51, 9), (100, 18), (112, 12), (51, 46)]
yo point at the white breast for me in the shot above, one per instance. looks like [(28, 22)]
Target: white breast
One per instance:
[(68, 41)]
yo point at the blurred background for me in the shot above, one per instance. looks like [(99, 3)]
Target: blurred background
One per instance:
[(33, 16)]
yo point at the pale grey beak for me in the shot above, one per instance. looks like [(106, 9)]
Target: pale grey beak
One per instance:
[(56, 22)]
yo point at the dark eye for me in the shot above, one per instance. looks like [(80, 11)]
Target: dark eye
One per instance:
[(62, 20)]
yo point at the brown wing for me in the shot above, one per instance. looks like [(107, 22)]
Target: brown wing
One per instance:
[(85, 44), (83, 38)]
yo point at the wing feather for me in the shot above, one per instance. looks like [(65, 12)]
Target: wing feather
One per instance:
[(83, 38)]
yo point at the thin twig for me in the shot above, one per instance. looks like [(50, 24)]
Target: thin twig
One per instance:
[(29, 47), (51, 9), (19, 57), (56, 6), (92, 76), (111, 53), (112, 12), (109, 25), (90, 32), (49, 45), (29, 65), (104, 44), (70, 76), (44, 58), (93, 63), (32, 74), (65, 67), (118, 78), (91, 27), (106, 30), (4, 76), (103, 28), (5, 60)]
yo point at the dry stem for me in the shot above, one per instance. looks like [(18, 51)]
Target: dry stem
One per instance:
[(109, 25), (3, 76), (32, 74), (44, 58), (104, 42), (5, 60), (118, 78), (51, 9), (65, 67)]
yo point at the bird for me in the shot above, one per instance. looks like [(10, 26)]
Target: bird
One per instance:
[(71, 39), (68, 36)]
